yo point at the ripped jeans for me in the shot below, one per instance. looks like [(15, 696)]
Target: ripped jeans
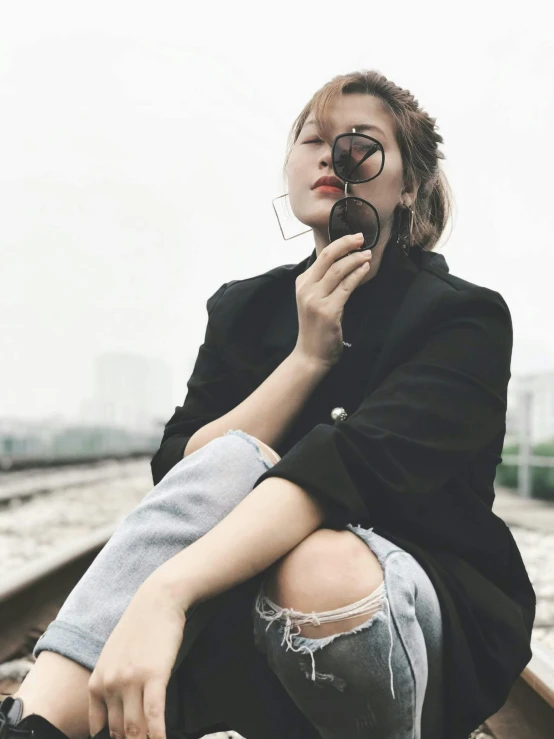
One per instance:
[(370, 681), (379, 680)]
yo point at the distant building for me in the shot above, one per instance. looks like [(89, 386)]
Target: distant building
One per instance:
[(540, 389), (129, 390)]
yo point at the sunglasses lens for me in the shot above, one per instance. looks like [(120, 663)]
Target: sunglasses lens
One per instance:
[(357, 158), (351, 215)]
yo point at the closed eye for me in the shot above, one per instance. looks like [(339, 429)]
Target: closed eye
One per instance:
[(313, 141)]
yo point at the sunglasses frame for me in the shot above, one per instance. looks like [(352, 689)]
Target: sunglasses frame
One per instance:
[(346, 197), (364, 136)]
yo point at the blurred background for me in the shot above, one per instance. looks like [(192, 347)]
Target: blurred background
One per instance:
[(141, 146), (118, 222)]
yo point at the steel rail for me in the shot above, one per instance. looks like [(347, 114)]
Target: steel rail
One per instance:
[(31, 598)]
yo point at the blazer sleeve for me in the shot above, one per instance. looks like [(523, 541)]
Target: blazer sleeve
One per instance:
[(208, 397), (422, 424)]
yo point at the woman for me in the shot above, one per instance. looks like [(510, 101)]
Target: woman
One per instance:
[(321, 518)]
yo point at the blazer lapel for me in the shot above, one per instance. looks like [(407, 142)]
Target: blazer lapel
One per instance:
[(410, 319)]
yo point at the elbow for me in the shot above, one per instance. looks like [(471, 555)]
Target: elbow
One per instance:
[(170, 453), (193, 443), (203, 436)]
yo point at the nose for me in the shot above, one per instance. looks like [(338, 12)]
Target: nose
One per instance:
[(325, 155)]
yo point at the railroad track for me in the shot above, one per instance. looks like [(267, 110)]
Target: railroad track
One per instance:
[(29, 483), (31, 598)]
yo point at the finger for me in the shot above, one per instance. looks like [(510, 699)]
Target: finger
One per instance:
[(343, 291), (114, 705), (97, 713), (341, 248), (154, 708), (134, 720), (339, 271), (331, 253)]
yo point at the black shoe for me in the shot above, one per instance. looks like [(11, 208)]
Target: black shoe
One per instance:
[(12, 726)]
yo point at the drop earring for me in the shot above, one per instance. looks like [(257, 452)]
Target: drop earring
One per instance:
[(405, 228), (279, 221)]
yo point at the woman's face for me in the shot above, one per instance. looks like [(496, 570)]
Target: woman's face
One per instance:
[(310, 158)]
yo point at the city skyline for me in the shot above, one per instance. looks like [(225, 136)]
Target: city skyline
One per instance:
[(110, 239)]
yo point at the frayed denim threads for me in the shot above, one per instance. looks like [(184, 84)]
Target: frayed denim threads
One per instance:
[(371, 604)]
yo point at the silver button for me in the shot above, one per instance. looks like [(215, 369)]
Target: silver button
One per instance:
[(338, 414)]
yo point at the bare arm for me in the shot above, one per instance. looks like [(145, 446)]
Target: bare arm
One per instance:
[(321, 292), (277, 514), (270, 410), (269, 522)]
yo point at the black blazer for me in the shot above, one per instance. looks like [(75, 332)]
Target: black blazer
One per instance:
[(424, 385)]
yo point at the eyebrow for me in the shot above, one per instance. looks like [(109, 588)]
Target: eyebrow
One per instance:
[(359, 127)]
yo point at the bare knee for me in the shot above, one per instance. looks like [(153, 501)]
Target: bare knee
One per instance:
[(327, 570)]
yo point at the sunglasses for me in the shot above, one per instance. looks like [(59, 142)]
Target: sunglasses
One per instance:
[(356, 158)]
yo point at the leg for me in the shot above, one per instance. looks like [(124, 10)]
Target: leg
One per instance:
[(191, 499), (321, 588), (354, 675), (57, 688)]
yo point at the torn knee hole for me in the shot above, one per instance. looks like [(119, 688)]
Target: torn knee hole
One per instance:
[(324, 623), (365, 608)]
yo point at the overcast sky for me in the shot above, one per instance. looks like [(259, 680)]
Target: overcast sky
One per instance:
[(117, 223)]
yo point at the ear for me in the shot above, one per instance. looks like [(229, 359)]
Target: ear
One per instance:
[(408, 197)]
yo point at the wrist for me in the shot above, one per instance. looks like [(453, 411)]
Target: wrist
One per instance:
[(309, 364), (164, 584)]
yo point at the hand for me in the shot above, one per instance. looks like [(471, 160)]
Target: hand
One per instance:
[(321, 292), (127, 689)]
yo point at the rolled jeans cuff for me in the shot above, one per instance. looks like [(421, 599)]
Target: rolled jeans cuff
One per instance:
[(72, 642)]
